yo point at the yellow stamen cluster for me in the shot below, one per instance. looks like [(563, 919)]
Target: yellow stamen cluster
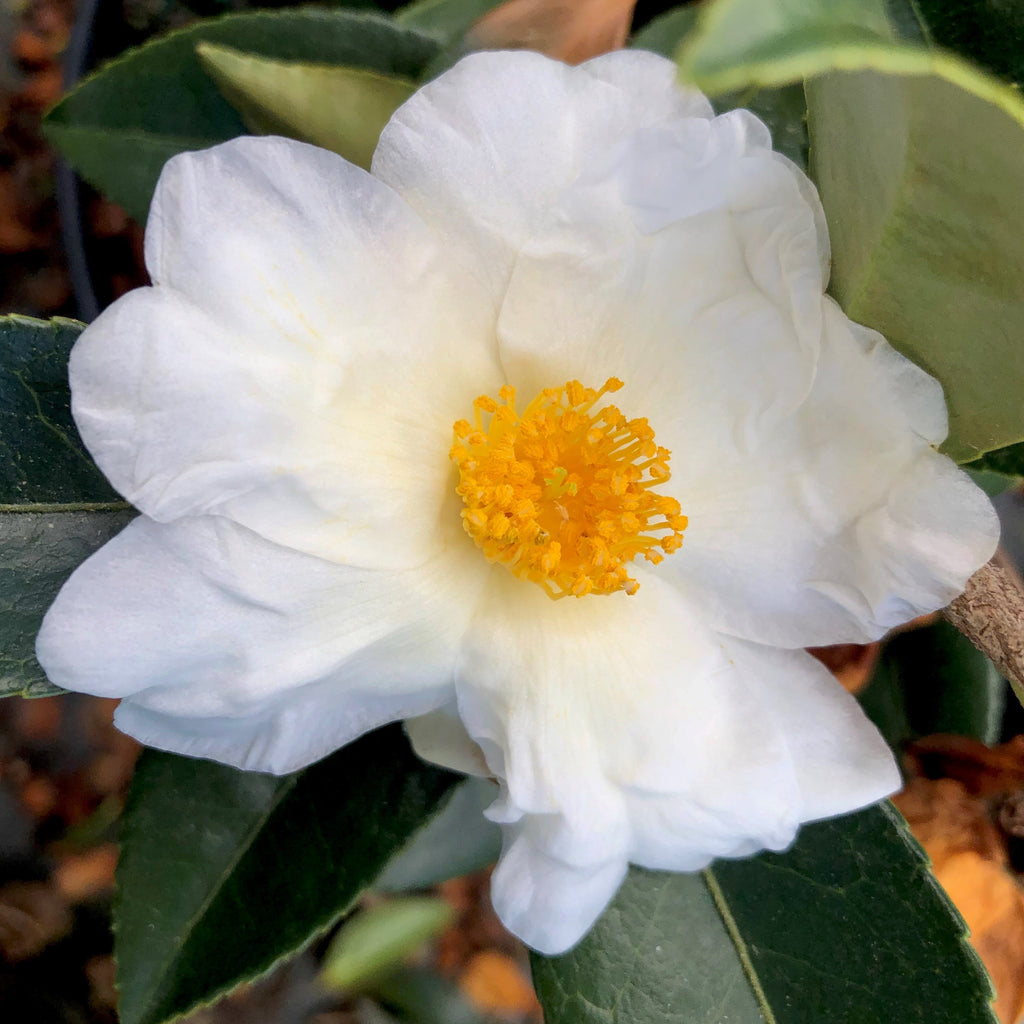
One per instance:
[(564, 496)]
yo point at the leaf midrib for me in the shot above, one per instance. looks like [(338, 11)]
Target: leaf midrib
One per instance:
[(56, 508), (158, 988), (742, 951)]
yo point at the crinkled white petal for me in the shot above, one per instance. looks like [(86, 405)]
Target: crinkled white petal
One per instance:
[(298, 365), (623, 730), (802, 444), (231, 647), (843, 522), (549, 904), (485, 151), (713, 321)]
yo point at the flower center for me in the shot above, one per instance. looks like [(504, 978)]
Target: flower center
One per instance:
[(562, 495)]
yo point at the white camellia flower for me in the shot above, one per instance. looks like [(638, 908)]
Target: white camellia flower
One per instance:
[(368, 420)]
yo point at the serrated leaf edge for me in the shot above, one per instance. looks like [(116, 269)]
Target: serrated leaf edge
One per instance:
[(214, 996), (917, 851), (328, 16)]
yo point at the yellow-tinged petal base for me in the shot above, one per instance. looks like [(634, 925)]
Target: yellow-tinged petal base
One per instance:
[(564, 496)]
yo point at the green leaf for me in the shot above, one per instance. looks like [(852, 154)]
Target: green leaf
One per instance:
[(448, 20), (337, 108), (992, 484), (989, 32), (38, 551), (783, 109), (660, 954), (458, 840), (928, 258), (377, 940), (42, 458), (665, 33), (849, 925), (120, 126), (56, 508), (419, 995), (917, 157), (1008, 461), (934, 680), (740, 43), (224, 872)]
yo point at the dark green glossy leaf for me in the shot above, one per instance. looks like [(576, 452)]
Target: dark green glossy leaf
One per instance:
[(1007, 462), (56, 508), (419, 995), (989, 32), (224, 872), (42, 459), (935, 680), (446, 19), (38, 551), (120, 126), (849, 925), (783, 109), (456, 841), (660, 954), (990, 482), (665, 33)]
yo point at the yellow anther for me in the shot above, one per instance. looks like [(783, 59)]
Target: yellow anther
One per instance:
[(562, 495)]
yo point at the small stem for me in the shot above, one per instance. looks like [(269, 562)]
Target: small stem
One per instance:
[(990, 613)]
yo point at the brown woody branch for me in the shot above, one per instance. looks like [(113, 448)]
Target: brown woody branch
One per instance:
[(990, 613)]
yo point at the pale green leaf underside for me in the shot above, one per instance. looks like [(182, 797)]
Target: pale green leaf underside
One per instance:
[(377, 940), (918, 157), (119, 126), (343, 109)]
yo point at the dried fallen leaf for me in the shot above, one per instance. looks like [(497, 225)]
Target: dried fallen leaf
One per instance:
[(984, 771), (84, 875), (851, 664), (948, 821), (32, 915), (992, 904), (969, 860), (569, 30), (494, 983), (101, 972)]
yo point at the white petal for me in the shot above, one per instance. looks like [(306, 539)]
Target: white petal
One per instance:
[(843, 521), (713, 320), (622, 730), (231, 647), (440, 738), (801, 443), (485, 151), (300, 363), (548, 904), (840, 761)]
